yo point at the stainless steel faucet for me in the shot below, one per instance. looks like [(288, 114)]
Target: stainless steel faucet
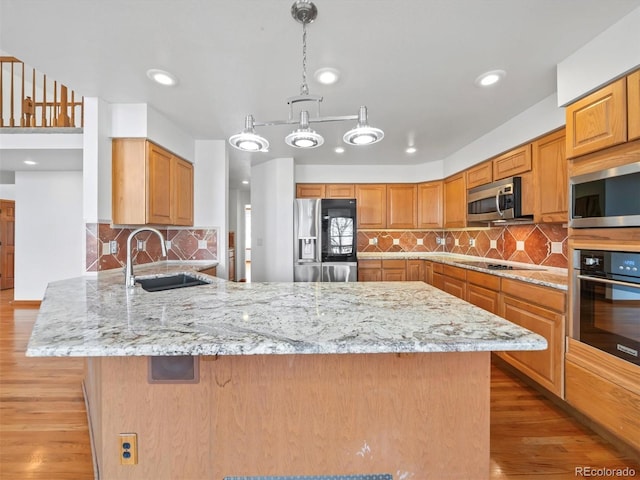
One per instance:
[(129, 278)]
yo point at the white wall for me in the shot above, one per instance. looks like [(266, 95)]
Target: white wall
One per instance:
[(609, 55), (210, 184), (49, 231), (272, 194), (7, 191), (96, 161), (368, 173)]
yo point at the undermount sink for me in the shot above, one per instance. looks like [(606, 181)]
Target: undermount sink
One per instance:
[(168, 283)]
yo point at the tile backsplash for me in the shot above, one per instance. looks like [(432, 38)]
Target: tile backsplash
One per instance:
[(542, 244), (185, 244)]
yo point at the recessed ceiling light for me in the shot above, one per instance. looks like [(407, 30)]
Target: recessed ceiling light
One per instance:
[(245, 182), (30, 162), (490, 78), (339, 149), (411, 150), (327, 76), (162, 77)]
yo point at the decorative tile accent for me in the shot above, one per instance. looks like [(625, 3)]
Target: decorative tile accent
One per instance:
[(544, 244), (183, 245)]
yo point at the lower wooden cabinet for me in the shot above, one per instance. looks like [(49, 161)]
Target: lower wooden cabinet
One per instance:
[(394, 270), (483, 290), (369, 270), (541, 310), (415, 270), (454, 281)]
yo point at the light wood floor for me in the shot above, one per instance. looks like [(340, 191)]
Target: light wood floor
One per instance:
[(44, 433)]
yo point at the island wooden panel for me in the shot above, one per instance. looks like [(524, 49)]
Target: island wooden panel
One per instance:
[(412, 415)]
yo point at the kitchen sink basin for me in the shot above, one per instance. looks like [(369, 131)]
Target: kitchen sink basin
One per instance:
[(168, 283)]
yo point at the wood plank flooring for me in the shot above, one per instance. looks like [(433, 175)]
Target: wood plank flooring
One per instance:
[(44, 433)]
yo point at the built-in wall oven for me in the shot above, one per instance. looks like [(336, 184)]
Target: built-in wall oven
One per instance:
[(606, 302)]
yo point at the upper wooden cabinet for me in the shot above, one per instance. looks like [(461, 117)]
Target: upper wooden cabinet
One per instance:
[(340, 190), (513, 162), (550, 178), (310, 190), (430, 205), (598, 120), (402, 205), (455, 201), (480, 174), (371, 205), (633, 106), (325, 190), (150, 185)]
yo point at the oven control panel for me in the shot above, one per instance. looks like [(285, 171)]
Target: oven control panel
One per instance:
[(604, 263)]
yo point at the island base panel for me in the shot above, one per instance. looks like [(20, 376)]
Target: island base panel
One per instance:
[(408, 415)]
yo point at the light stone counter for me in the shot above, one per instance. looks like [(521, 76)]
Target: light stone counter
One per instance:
[(99, 316), (537, 274)]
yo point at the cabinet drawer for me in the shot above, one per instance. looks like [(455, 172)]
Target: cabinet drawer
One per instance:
[(483, 298), (396, 263), (455, 272), (438, 267), (455, 287), (484, 280), (369, 264), (543, 296)]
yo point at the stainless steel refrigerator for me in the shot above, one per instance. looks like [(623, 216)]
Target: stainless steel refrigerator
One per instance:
[(325, 242)]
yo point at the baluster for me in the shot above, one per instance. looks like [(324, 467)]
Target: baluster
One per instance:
[(44, 101), (63, 117), (12, 122), (54, 118), (73, 108), (33, 96), (82, 113)]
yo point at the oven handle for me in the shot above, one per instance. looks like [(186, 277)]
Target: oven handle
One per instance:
[(606, 280)]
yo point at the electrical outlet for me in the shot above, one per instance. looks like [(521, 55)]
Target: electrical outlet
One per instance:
[(439, 241), (141, 245), (113, 247), (472, 242), (128, 449)]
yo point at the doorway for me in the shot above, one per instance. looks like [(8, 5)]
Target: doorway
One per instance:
[(7, 243)]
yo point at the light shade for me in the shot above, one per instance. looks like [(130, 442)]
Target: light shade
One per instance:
[(248, 140), (304, 137), (363, 134), (162, 77)]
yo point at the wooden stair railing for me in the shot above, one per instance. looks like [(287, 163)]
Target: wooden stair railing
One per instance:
[(17, 109)]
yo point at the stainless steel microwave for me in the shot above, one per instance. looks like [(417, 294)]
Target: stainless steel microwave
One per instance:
[(606, 198), (496, 202)]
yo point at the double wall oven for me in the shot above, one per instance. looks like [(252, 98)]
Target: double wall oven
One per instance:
[(606, 301)]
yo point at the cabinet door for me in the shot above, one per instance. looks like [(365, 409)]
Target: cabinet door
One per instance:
[(514, 162), (480, 175), (633, 106), (483, 298), (340, 190), (428, 272), (370, 271), (544, 366), (455, 287), (394, 274), (455, 201), (550, 178), (129, 181), (182, 200), (371, 204), (598, 120), (401, 205), (430, 205), (415, 270), (310, 190), (160, 185)]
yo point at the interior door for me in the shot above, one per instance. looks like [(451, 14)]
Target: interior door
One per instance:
[(7, 243)]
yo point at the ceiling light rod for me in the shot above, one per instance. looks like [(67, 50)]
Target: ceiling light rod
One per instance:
[(305, 12)]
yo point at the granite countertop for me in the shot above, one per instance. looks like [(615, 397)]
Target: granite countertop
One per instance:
[(537, 274), (99, 316)]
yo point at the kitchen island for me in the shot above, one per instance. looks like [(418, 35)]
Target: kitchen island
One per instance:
[(281, 379)]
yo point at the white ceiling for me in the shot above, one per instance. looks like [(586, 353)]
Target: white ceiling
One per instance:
[(412, 62)]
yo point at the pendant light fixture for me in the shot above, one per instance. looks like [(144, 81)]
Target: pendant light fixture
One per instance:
[(304, 136)]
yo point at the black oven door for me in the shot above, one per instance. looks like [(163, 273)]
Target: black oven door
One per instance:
[(609, 316)]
